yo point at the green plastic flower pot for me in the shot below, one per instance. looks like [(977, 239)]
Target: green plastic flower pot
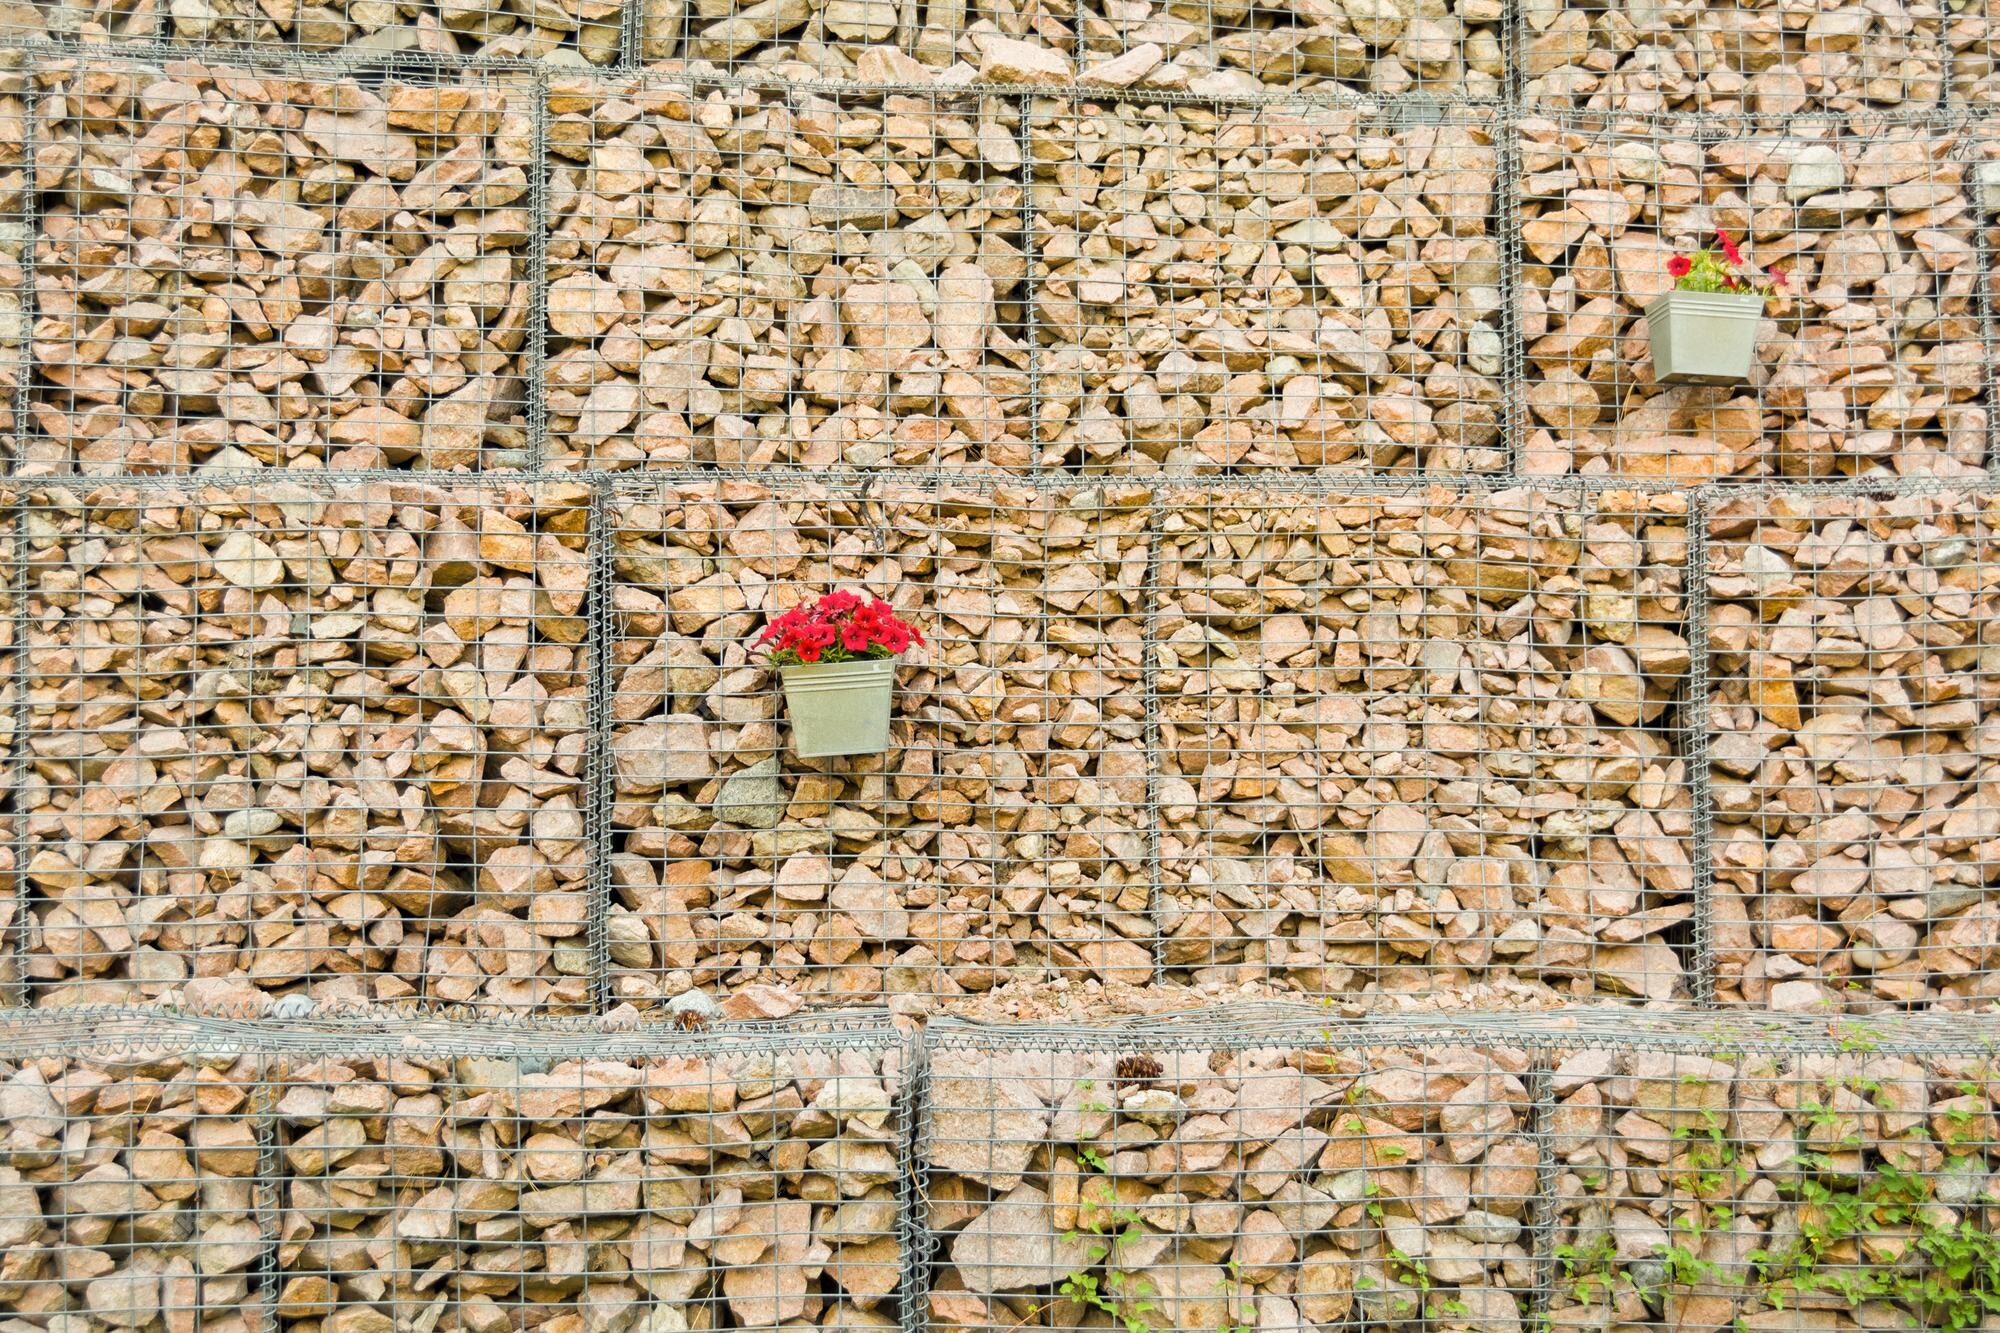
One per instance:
[(840, 707), (1704, 337)]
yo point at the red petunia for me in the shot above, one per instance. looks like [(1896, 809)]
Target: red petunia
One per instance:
[(1678, 266), (1729, 249), (839, 627)]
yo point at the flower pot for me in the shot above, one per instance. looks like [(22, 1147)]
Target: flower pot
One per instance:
[(840, 707), (1704, 337)]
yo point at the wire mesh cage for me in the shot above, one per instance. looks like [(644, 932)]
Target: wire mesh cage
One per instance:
[(1000, 834), (1969, 52), (130, 1188), (327, 741), (366, 34), (1847, 722), (16, 243), (1766, 1187), (12, 757), (865, 41), (1425, 741), (1448, 51), (1736, 57), (1258, 1166), (745, 280), (751, 1180), (1265, 288), (1870, 358), (1225, 1177), (260, 267)]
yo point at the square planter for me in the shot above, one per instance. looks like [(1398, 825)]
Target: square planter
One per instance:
[(840, 707), (1704, 337)]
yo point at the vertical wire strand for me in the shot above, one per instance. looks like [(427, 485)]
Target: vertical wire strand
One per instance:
[(1695, 738)]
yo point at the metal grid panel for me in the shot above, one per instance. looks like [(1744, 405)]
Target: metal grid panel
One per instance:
[(1600, 1168), (128, 1185), (1768, 1189), (318, 741), (1757, 57), (912, 42), (1872, 362), (360, 33), (744, 279), (1413, 742), (1974, 80), (1453, 50), (271, 267), (1848, 726), (711, 1181), (13, 709), (1265, 288), (16, 245), (1002, 836), (1079, 1178)]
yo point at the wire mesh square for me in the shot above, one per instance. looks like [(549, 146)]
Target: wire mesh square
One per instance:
[(1088, 1180), (1448, 51), (12, 753), (1003, 833), (1847, 639), (362, 32), (129, 1188), (1739, 57), (1870, 361), (1969, 27), (1424, 742), (252, 267), (746, 280), (750, 1183), (1772, 1189), (776, 42), (1265, 288), (322, 742), (16, 243)]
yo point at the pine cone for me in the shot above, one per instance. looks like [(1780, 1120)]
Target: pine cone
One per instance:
[(1138, 1070)]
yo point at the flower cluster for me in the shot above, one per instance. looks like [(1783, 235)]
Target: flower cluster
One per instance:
[(839, 627), (1727, 271)]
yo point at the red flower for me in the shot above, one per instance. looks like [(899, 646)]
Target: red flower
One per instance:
[(1729, 249), (1777, 275), (839, 627), (1678, 266)]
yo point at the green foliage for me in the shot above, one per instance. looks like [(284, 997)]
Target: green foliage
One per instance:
[(1590, 1269), (1948, 1274), (1882, 1235), (1125, 1299)]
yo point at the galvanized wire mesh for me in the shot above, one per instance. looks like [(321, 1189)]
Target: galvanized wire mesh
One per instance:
[(1268, 288), (1871, 361), (359, 33), (703, 1181), (1412, 741), (278, 266), (315, 740), (1847, 714), (1594, 1169), (745, 280), (1003, 833), (182, 1174), (1746, 58), (506, 744)]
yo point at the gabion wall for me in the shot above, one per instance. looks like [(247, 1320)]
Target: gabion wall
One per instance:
[(502, 744), (166, 1174), (1255, 1167), (1594, 1170)]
